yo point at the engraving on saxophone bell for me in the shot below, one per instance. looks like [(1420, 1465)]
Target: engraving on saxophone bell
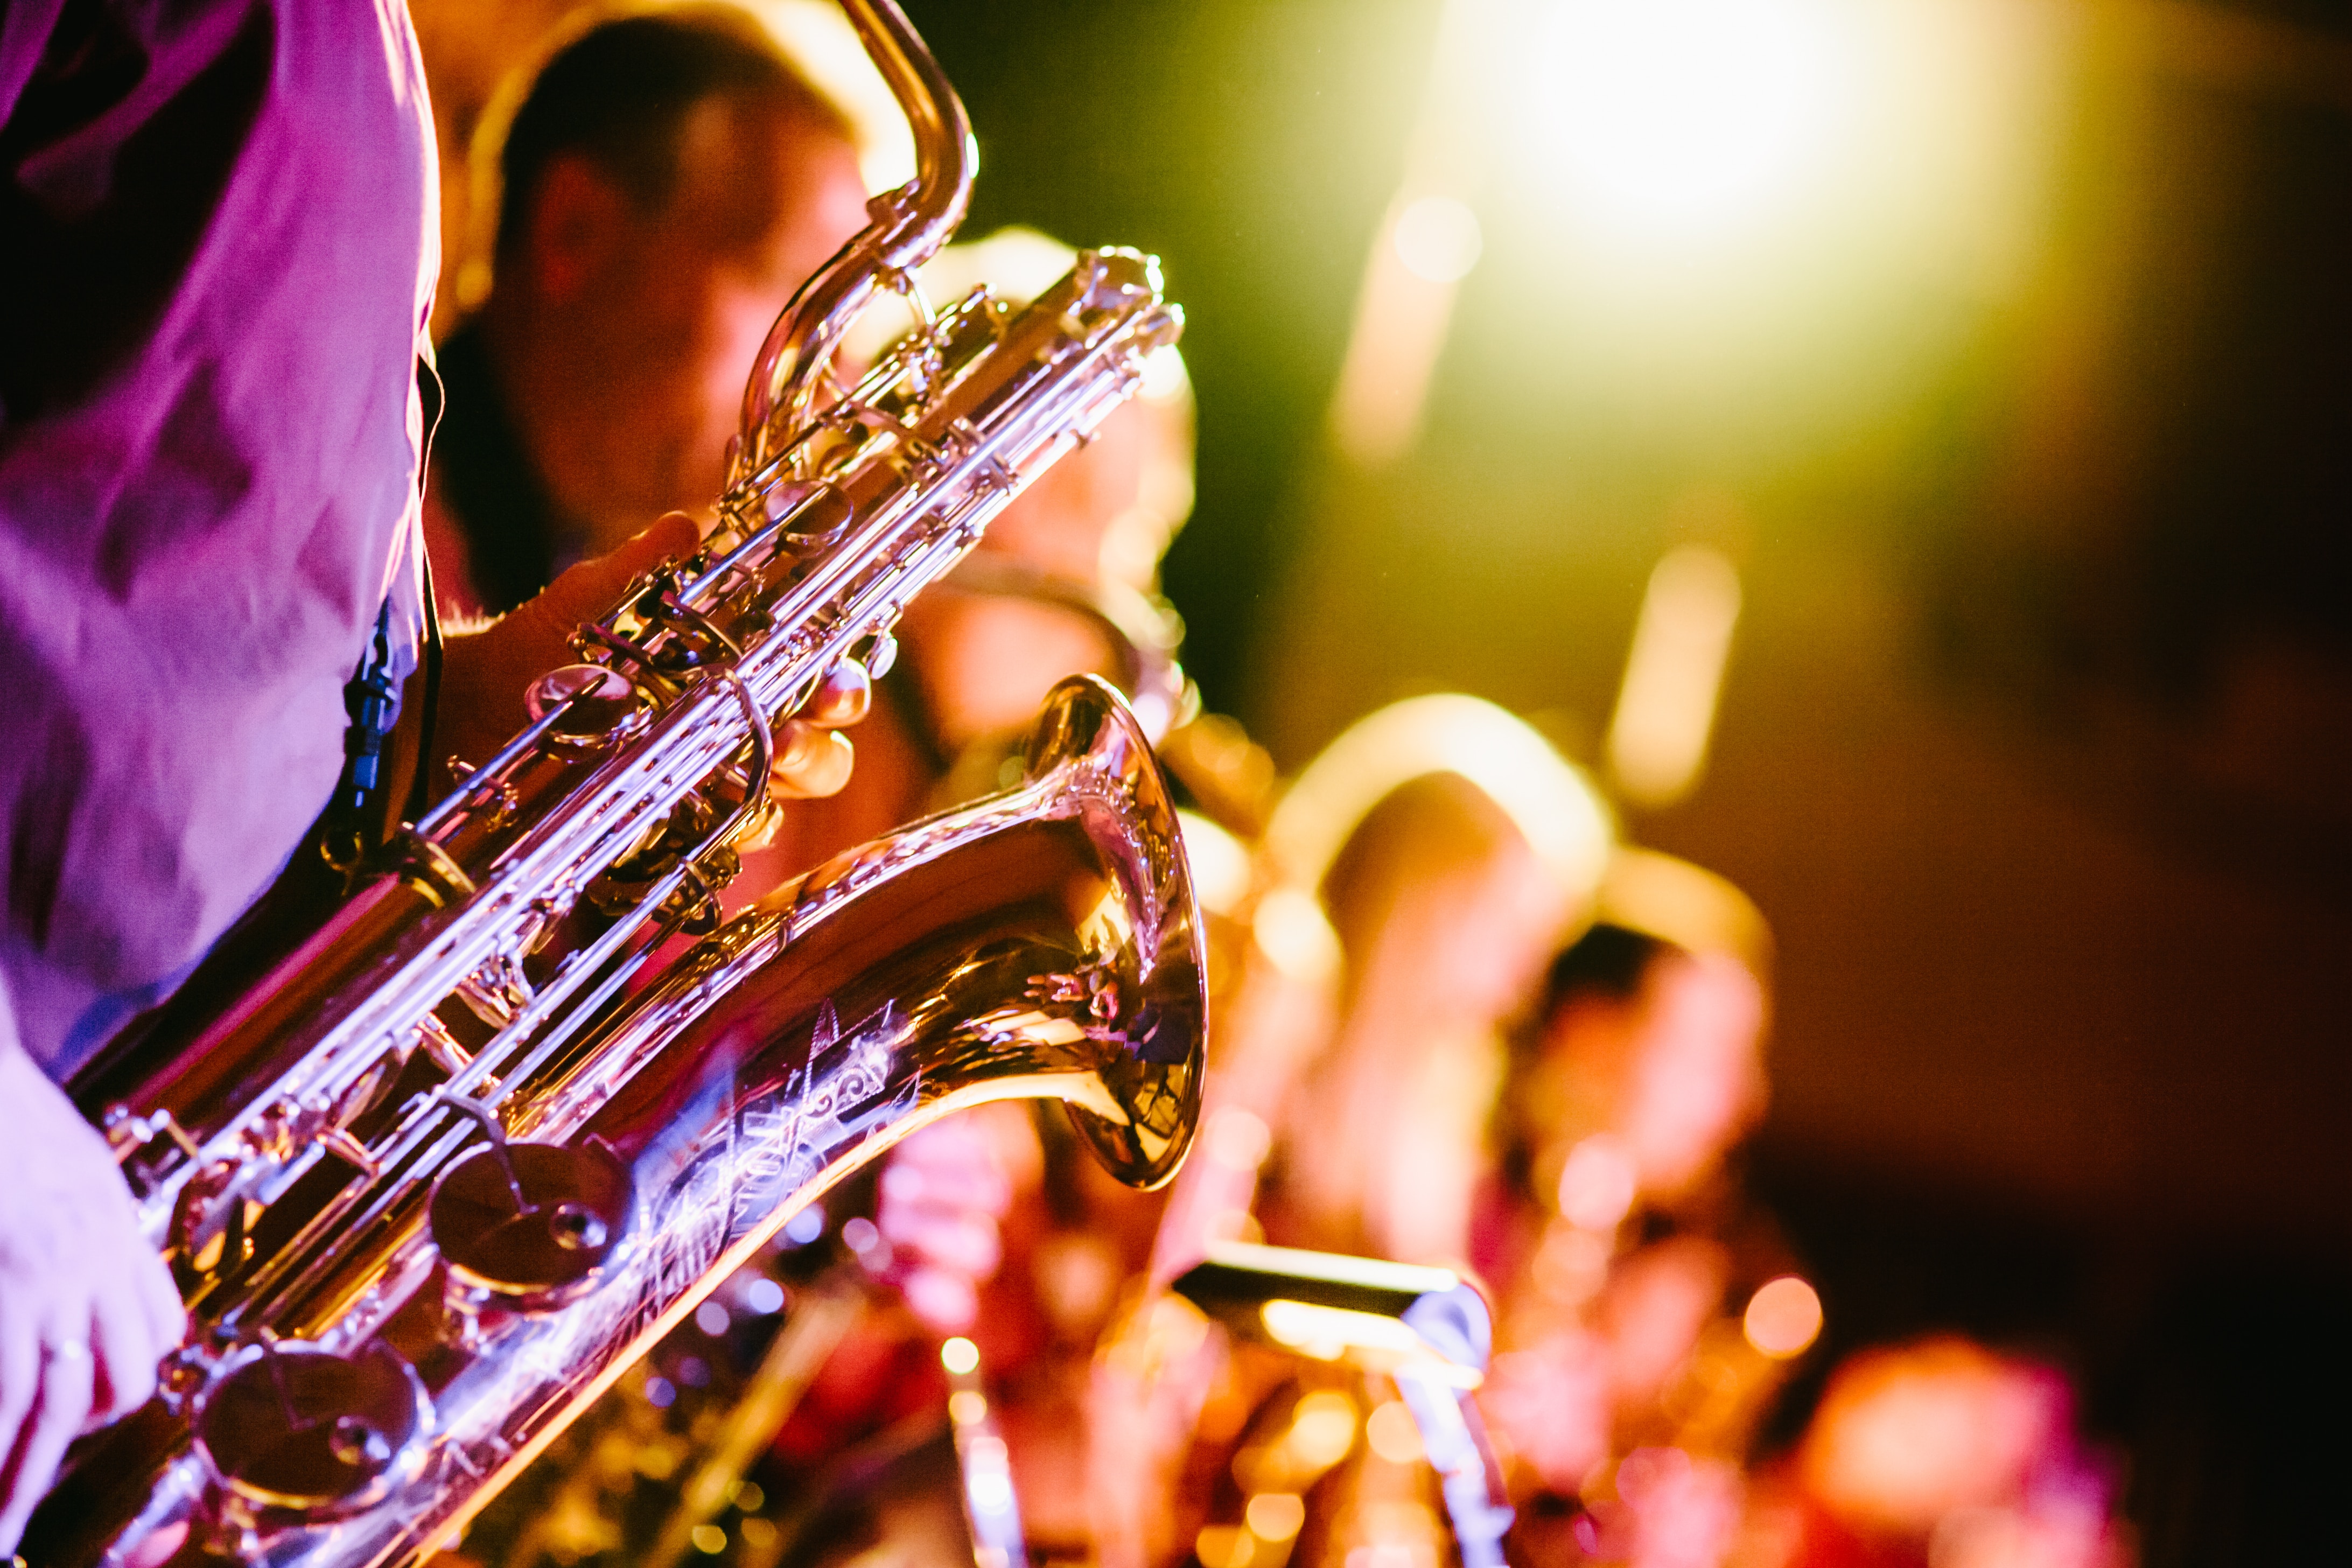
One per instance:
[(294, 1434), (530, 1226)]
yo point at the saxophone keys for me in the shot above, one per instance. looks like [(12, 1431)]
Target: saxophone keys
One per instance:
[(598, 705), (529, 1227), (294, 1434)]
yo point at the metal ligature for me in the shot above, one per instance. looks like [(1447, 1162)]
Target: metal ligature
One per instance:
[(446, 1173)]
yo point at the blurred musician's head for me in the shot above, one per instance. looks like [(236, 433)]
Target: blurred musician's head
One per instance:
[(1946, 1451), (667, 185), (1645, 1051), (1444, 914)]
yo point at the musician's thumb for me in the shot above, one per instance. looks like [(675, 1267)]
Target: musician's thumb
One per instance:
[(592, 587)]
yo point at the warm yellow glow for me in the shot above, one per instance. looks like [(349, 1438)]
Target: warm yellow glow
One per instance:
[(1391, 1433), (1437, 239), (1236, 1137), (1322, 1429), (967, 1406), (1224, 1546), (1678, 117), (1402, 318), (1783, 1317), (1275, 1516), (1221, 864), (1665, 709), (1292, 930), (959, 1356), (1328, 1332)]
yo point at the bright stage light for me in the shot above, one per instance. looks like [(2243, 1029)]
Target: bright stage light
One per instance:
[(1674, 118)]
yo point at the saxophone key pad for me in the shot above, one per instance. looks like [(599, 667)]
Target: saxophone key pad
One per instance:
[(530, 1226), (294, 1429)]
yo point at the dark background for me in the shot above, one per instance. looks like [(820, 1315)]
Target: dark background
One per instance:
[(2035, 742)]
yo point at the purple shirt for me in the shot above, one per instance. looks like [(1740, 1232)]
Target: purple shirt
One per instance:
[(217, 250)]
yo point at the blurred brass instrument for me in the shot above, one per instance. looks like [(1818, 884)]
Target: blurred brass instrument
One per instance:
[(450, 1169), (1424, 1328), (1280, 984)]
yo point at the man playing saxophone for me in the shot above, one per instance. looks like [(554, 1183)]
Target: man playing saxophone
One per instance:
[(588, 385), (219, 252), (666, 180)]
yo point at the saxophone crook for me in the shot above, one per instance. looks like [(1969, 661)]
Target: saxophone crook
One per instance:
[(910, 226)]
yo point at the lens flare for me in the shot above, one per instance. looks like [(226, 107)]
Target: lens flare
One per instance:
[(1679, 117)]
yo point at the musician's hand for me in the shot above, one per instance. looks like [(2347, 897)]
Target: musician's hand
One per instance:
[(86, 1309), (943, 1194), (485, 673)]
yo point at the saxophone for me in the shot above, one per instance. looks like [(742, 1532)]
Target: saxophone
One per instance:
[(443, 1174)]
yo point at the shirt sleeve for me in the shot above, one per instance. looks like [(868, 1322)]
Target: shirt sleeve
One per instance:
[(26, 27)]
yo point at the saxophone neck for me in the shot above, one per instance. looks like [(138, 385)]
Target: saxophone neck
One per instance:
[(910, 226)]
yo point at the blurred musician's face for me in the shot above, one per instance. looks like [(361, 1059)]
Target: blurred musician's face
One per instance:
[(666, 309), (1695, 1086), (1672, 1073)]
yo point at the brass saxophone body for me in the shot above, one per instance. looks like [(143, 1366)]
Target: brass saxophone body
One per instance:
[(450, 1168)]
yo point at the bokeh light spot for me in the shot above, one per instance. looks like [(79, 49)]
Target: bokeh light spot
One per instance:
[(1438, 239), (1392, 1435), (1784, 1316), (1275, 1516)]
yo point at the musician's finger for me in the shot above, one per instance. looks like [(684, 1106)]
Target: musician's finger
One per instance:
[(811, 763), (842, 698), (592, 587), (167, 1315), (20, 1380), (58, 1414), (123, 1354)]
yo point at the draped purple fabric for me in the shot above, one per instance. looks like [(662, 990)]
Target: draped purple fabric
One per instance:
[(216, 256)]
